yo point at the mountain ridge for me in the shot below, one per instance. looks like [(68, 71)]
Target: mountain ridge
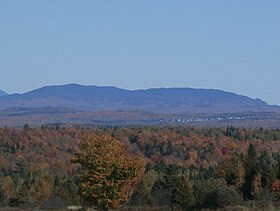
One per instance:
[(2, 93), (168, 100)]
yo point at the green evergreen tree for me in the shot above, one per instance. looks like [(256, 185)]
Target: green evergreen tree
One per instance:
[(251, 170)]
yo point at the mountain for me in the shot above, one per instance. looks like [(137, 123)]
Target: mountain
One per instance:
[(165, 100), (2, 93)]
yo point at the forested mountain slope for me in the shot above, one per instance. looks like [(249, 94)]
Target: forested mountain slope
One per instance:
[(168, 100)]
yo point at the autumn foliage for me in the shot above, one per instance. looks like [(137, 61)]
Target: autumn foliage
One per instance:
[(108, 173), (275, 188), (193, 168)]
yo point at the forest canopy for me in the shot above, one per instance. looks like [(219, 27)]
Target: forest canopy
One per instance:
[(184, 167)]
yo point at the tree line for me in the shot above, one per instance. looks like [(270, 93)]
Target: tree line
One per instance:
[(105, 167)]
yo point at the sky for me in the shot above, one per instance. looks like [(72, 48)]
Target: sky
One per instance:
[(220, 44)]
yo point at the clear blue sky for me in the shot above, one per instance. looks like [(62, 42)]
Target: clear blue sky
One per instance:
[(132, 44)]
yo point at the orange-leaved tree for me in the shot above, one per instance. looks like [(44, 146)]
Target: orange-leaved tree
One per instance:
[(275, 188), (109, 174)]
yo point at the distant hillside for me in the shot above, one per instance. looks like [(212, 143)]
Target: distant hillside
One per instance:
[(167, 100), (2, 93)]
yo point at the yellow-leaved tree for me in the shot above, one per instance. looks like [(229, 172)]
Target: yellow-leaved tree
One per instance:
[(109, 174)]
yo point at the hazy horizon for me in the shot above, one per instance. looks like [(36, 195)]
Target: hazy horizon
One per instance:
[(230, 46)]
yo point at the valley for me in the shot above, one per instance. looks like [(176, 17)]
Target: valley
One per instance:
[(93, 105)]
